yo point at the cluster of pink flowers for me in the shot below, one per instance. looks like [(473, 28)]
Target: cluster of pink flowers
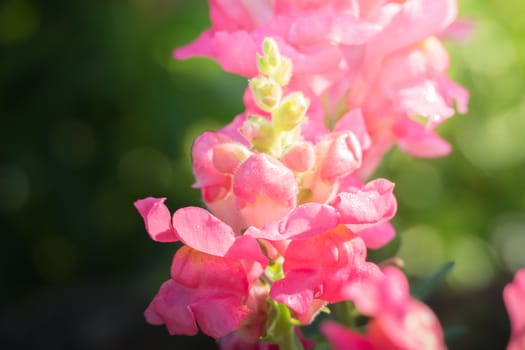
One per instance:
[(291, 211)]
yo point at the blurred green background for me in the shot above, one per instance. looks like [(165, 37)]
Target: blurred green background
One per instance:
[(96, 114)]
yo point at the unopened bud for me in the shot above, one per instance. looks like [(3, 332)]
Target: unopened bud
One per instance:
[(271, 55), (300, 157), (266, 92), (291, 111), (342, 155), (283, 73), (228, 156), (259, 132)]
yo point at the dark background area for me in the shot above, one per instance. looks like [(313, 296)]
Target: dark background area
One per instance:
[(96, 114)]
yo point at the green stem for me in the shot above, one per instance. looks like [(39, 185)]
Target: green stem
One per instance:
[(280, 329), (289, 341), (346, 313)]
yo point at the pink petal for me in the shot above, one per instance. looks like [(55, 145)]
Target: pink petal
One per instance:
[(296, 290), (453, 92), (363, 208), (219, 315), (354, 121), (202, 46), (233, 14), (460, 30), (246, 247), (263, 175), (305, 221), (377, 236), (341, 155), (413, 65), (514, 298), (235, 52), (157, 219), (412, 23), (170, 307), (381, 293), (416, 140), (202, 231), (214, 183), (342, 338), (300, 157), (423, 99), (325, 25), (228, 156)]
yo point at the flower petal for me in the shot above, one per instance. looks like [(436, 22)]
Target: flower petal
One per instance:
[(365, 207), (157, 219), (305, 221), (202, 231), (377, 236)]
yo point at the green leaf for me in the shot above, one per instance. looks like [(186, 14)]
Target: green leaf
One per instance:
[(422, 289)]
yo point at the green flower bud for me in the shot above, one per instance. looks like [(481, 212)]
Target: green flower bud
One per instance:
[(271, 52), (291, 111), (259, 132), (270, 61), (283, 73), (266, 92)]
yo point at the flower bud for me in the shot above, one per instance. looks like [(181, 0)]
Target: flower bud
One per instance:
[(259, 132), (342, 155), (283, 73), (266, 92), (271, 58), (300, 157), (291, 111), (265, 188), (228, 156)]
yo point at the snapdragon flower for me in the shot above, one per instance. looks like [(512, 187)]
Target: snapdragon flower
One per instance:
[(397, 321), (382, 58)]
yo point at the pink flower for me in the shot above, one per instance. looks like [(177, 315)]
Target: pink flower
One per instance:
[(365, 210), (363, 207), (214, 278), (514, 298), (266, 189), (316, 269), (397, 321), (382, 57)]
